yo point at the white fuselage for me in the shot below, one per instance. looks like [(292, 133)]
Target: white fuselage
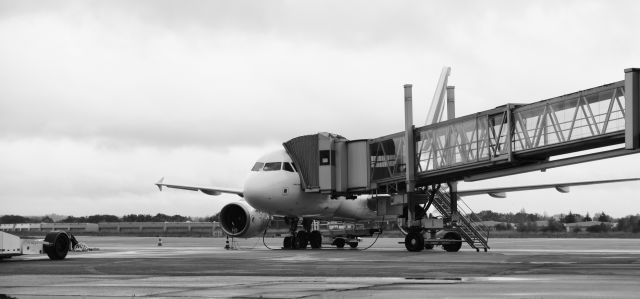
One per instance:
[(279, 193)]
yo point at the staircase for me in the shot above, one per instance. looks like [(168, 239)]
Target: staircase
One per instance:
[(469, 225)]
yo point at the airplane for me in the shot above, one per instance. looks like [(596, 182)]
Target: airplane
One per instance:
[(273, 189)]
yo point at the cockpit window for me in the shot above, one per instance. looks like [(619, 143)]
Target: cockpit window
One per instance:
[(271, 166), (295, 169), (288, 167), (257, 166)]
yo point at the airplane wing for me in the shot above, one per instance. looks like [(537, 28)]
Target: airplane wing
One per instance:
[(206, 190), (561, 187)]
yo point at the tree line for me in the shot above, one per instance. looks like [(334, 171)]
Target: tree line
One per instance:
[(528, 222), (100, 218), (523, 221), (523, 216)]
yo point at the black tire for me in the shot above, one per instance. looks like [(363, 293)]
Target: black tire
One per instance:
[(302, 240), (428, 246), (286, 243), (339, 242), (59, 245), (414, 241), (315, 239), (455, 247), (353, 244)]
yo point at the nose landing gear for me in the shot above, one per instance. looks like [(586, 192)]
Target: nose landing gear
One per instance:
[(301, 239)]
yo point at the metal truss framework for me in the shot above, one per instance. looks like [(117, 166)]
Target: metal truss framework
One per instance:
[(505, 134)]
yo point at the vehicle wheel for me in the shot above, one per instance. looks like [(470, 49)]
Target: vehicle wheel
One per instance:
[(286, 243), (59, 245), (353, 244), (428, 246), (414, 241), (339, 243), (452, 247), (302, 239), (315, 239)]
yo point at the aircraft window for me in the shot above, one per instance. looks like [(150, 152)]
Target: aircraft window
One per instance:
[(271, 166), (295, 169), (288, 167), (257, 166)]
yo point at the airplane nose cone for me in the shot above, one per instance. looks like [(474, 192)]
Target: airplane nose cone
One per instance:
[(260, 188)]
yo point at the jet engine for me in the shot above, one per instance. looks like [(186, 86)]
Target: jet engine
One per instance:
[(241, 220)]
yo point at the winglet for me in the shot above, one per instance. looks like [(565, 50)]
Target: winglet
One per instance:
[(159, 183)]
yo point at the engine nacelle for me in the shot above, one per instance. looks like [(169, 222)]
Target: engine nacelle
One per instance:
[(238, 219)]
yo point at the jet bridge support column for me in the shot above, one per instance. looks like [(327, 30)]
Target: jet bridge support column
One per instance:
[(632, 107), (451, 102), (453, 196), (409, 154), (453, 186)]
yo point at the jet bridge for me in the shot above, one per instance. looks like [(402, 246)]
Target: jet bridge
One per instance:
[(506, 140)]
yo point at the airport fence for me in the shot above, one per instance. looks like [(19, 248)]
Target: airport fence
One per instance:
[(121, 228)]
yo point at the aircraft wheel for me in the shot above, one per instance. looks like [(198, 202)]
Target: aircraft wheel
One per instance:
[(353, 244), (414, 241), (452, 247), (302, 239), (339, 243), (315, 239), (287, 243), (59, 245)]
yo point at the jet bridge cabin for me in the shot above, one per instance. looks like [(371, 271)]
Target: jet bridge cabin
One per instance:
[(330, 163)]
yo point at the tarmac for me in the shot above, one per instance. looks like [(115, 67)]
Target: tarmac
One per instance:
[(202, 268)]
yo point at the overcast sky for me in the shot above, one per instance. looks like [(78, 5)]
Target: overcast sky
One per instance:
[(99, 99)]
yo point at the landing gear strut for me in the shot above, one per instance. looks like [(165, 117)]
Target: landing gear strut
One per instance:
[(290, 242)]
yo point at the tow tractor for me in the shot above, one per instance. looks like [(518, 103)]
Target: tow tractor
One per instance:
[(56, 245)]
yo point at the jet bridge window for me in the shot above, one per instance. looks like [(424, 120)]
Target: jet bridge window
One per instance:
[(288, 167), (326, 157), (271, 166)]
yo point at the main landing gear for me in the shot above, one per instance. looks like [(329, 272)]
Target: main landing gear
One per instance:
[(301, 239)]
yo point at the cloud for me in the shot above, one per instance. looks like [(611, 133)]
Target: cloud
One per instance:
[(98, 99), (69, 176)]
